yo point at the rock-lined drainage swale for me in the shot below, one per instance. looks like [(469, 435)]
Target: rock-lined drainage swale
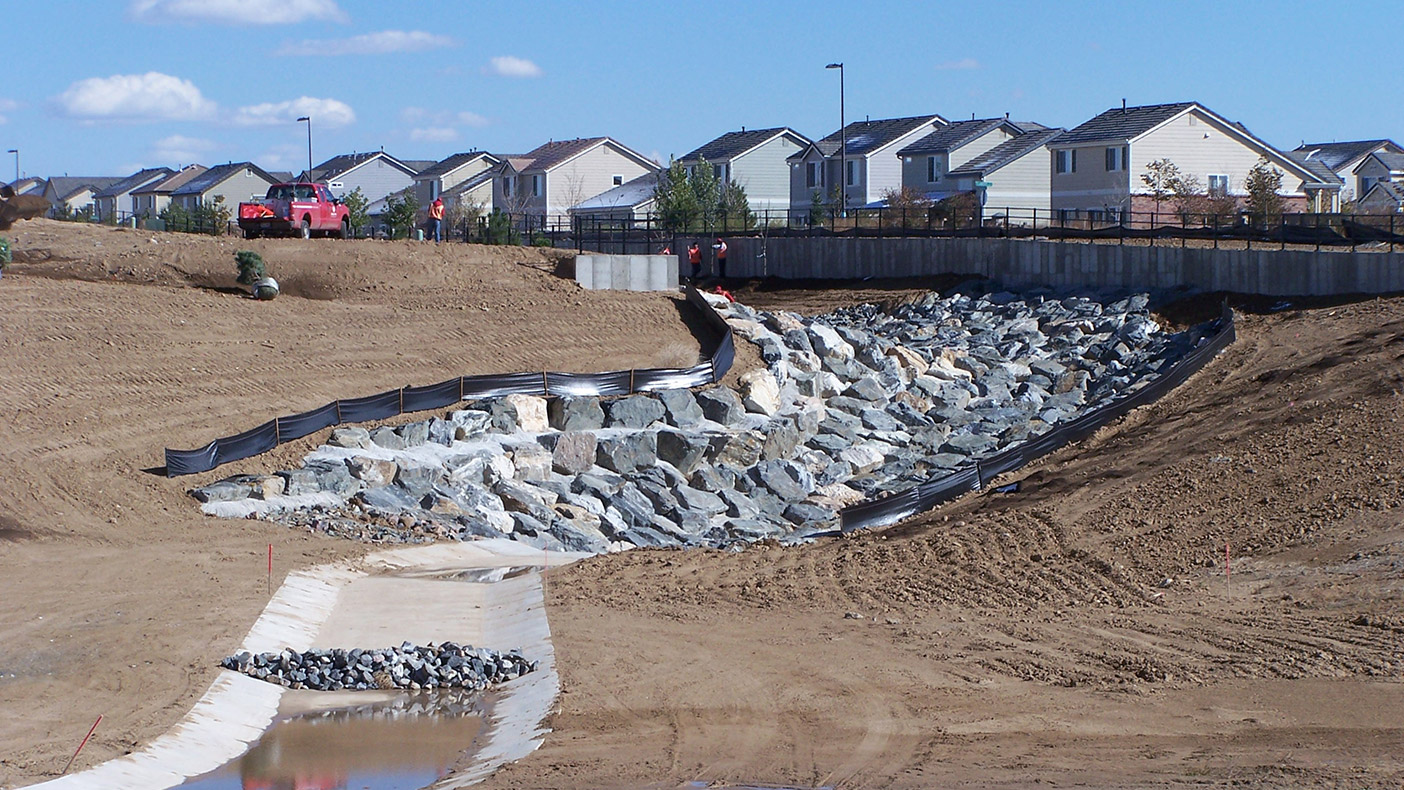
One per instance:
[(447, 665), (855, 404), (403, 743)]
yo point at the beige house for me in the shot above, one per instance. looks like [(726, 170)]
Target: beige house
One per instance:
[(1097, 167), (152, 199), (443, 178), (237, 182), (1344, 158), (869, 160), (546, 182), (926, 162), (73, 194), (1013, 179), (115, 203), (1379, 167), (755, 160)]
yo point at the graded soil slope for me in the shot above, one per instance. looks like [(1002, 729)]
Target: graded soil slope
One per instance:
[(1079, 631), (117, 597)]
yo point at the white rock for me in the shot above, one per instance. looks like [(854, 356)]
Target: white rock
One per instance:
[(760, 392), (828, 343), (862, 458), (531, 412)]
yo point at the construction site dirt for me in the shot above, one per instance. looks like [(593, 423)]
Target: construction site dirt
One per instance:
[(1207, 592)]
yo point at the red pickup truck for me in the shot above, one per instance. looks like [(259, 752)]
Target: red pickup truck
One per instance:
[(300, 208)]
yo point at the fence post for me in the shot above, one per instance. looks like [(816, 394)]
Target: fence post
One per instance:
[(1282, 230), (1391, 234)]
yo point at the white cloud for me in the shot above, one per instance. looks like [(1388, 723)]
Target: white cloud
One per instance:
[(434, 134), (384, 42), (237, 12), (283, 157), (964, 64), (438, 126), (509, 66), (466, 118), (323, 112), (182, 149), (135, 97)]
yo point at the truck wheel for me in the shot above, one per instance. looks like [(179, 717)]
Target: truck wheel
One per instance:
[(346, 229), (306, 229), (250, 233)]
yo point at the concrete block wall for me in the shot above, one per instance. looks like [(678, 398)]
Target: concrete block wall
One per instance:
[(1020, 263), (627, 272)]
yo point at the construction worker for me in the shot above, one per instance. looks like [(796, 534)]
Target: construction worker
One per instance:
[(436, 219), (694, 257), (720, 247)]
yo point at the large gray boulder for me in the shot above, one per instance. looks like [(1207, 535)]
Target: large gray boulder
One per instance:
[(635, 411), (624, 454), (576, 414)]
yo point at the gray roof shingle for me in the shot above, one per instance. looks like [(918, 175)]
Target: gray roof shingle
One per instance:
[(1006, 152), (64, 186), (1337, 155), (627, 195), (137, 179), (452, 163), (956, 134), (172, 182), (1123, 124), (861, 137), (733, 144), (1318, 168), (339, 165), (215, 175)]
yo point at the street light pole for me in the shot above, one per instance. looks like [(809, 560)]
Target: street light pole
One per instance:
[(15, 151), (843, 146), (309, 144)]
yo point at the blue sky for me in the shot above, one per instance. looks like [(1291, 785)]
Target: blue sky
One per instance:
[(101, 88)]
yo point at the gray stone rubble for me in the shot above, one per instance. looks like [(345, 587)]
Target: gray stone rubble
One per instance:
[(408, 666), (852, 405)]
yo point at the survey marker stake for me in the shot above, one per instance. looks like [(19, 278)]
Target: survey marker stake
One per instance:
[(91, 730)]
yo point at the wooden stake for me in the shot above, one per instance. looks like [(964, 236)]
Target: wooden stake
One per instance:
[(270, 569), (1228, 572)]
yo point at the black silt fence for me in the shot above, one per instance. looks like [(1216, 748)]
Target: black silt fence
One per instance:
[(927, 495), (436, 396)]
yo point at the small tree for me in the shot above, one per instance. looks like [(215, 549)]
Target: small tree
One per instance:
[(463, 213), (1263, 185), (212, 217), (736, 208), (251, 268), (674, 200), (1191, 199), (356, 205), (1162, 178), (401, 210), (908, 204), (500, 230), (176, 217)]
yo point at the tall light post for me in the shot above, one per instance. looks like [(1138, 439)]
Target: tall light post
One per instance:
[(15, 151), (309, 144), (843, 146)]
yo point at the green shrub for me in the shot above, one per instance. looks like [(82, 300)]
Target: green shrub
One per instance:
[(251, 268), (5, 256)]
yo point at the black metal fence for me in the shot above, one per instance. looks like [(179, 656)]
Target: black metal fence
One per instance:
[(651, 234), (436, 396), (927, 495)]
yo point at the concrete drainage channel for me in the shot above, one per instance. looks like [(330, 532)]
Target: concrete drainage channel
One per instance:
[(482, 593), (849, 407)]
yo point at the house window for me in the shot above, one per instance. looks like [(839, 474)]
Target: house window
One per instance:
[(1116, 158), (1218, 186), (1067, 161), (618, 180), (933, 169), (508, 184), (852, 172), (816, 174), (536, 186)]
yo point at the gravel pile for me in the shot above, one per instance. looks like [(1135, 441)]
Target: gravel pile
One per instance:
[(408, 666)]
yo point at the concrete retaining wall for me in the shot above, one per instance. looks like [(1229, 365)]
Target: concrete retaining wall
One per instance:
[(1019, 263), (627, 272)]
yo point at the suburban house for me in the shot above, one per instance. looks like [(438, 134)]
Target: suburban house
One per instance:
[(632, 200), (1011, 176), (236, 183), (439, 178), (1097, 167), (926, 162), (1384, 197), (562, 173), (28, 184), (755, 160), (870, 157), (75, 193), (1379, 166), (115, 202), (375, 173), (152, 199), (1343, 158)]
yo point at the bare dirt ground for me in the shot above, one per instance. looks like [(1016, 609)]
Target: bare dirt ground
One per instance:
[(1078, 632)]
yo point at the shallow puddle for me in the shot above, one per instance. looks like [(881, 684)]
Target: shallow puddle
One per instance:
[(403, 743), (475, 575)]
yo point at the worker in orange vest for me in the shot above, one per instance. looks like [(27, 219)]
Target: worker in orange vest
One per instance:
[(694, 257), (720, 247)]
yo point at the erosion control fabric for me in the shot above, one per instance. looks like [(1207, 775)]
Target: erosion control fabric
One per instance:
[(436, 396)]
